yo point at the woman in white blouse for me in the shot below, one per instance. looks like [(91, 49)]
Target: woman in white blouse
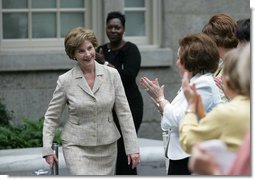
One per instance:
[(198, 55)]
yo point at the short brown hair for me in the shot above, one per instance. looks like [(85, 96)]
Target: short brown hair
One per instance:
[(76, 37), (221, 28), (198, 53)]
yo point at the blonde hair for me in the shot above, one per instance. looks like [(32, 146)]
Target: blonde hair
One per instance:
[(231, 76), (244, 69), (76, 37)]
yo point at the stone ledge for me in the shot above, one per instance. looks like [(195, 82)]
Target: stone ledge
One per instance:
[(57, 60)]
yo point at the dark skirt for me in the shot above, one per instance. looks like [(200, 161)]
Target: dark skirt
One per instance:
[(179, 167), (136, 107)]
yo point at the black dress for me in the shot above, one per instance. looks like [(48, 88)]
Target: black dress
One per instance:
[(127, 60)]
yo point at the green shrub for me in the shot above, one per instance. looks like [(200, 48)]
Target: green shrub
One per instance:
[(5, 116), (29, 134)]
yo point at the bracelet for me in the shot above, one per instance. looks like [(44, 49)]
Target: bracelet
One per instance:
[(160, 99), (159, 109), (106, 63), (189, 111)]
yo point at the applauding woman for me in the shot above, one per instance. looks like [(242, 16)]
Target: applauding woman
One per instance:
[(199, 56)]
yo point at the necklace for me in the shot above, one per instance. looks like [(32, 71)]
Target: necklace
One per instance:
[(109, 48)]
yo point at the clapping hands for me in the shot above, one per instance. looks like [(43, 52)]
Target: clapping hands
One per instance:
[(153, 88)]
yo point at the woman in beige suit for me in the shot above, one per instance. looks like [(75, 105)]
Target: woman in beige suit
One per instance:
[(91, 91)]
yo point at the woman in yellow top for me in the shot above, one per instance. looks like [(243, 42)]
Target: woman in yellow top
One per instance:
[(227, 122), (202, 161)]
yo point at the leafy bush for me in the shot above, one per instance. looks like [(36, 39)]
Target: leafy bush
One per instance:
[(5, 116), (29, 134)]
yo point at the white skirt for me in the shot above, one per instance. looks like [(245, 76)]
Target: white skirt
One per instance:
[(90, 160)]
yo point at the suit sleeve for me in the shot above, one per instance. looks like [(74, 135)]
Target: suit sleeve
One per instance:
[(52, 117), (123, 112)]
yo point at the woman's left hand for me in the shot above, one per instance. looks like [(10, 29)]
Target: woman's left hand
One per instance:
[(218, 82), (133, 159), (100, 56)]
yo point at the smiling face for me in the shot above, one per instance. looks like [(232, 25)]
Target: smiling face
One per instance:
[(85, 53), (114, 30), (179, 65), (75, 42)]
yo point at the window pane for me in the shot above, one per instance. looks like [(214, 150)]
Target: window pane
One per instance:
[(44, 25), (71, 4), (14, 4), (134, 3), (15, 25), (135, 19), (44, 4), (69, 21)]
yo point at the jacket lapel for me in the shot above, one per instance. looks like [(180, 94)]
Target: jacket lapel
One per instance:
[(98, 78), (81, 82)]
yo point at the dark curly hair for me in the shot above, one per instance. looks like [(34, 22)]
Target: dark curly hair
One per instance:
[(243, 30), (118, 15), (198, 53)]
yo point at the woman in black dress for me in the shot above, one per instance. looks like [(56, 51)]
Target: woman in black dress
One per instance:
[(126, 58)]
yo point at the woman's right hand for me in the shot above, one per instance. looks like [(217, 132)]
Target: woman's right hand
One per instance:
[(50, 159), (100, 56), (218, 82), (153, 88)]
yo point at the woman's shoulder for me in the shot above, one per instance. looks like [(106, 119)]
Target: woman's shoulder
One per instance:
[(204, 80), (238, 104), (67, 73), (106, 69), (130, 45), (103, 46), (109, 73), (70, 73)]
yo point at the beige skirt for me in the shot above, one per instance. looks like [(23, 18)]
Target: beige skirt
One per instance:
[(90, 160)]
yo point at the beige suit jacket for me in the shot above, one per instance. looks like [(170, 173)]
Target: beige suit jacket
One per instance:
[(90, 121)]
